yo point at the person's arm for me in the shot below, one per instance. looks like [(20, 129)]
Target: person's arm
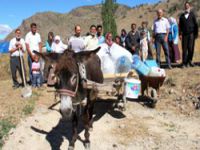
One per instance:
[(40, 43), (180, 28), (175, 30), (11, 48), (167, 30), (196, 28)]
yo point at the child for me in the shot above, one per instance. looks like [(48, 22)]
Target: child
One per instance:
[(143, 46), (36, 72)]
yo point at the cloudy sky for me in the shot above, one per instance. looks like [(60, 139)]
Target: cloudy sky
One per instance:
[(15, 11)]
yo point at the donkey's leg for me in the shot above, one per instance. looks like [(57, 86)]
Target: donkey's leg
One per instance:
[(74, 132), (90, 111), (86, 125)]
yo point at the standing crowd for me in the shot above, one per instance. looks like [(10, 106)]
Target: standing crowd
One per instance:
[(166, 33)]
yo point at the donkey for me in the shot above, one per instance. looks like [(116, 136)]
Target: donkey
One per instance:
[(71, 90)]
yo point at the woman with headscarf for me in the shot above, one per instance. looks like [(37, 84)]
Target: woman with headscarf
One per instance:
[(58, 46), (173, 40), (49, 42)]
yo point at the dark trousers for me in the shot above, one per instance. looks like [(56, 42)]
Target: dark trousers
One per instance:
[(159, 41), (15, 66), (30, 69), (188, 42)]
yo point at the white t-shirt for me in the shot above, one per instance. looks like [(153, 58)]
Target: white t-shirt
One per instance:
[(12, 45), (33, 41), (36, 65), (144, 45), (161, 25), (91, 43)]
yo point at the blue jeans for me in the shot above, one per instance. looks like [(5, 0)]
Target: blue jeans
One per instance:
[(36, 80), (159, 41)]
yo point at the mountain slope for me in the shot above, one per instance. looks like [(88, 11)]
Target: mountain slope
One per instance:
[(63, 24)]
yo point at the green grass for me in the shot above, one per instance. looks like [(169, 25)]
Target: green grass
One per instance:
[(5, 126)]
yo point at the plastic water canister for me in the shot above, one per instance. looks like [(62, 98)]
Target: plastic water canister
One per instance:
[(123, 65), (139, 66)]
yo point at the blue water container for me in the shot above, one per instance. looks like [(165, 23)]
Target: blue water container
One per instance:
[(151, 63), (139, 66)]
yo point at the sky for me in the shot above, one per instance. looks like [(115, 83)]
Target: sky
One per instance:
[(13, 12)]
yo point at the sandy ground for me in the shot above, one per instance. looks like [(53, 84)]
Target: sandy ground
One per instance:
[(173, 124)]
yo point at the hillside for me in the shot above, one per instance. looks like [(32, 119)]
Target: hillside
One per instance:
[(63, 24)]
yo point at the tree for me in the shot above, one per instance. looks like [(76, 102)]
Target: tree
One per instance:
[(108, 16)]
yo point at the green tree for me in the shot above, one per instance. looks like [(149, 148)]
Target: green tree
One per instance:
[(108, 16)]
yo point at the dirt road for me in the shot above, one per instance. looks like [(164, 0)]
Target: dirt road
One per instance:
[(173, 124)]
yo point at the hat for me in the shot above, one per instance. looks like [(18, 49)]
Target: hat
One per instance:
[(57, 38)]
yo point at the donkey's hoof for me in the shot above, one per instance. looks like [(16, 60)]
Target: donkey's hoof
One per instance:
[(70, 148), (87, 146)]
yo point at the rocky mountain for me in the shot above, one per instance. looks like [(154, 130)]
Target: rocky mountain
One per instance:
[(63, 24)]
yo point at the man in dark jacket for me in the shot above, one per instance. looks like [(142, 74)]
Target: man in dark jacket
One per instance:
[(133, 40), (188, 30)]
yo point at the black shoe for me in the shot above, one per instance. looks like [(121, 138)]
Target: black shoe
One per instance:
[(169, 67), (16, 86), (191, 64)]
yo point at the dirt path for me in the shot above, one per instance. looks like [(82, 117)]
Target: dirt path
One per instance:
[(173, 124)]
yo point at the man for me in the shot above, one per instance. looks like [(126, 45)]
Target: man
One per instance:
[(188, 31), (161, 30), (100, 37), (76, 42), (16, 48), (33, 42), (91, 41), (133, 40)]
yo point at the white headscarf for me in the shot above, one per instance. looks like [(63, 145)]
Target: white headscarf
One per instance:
[(60, 47), (172, 20)]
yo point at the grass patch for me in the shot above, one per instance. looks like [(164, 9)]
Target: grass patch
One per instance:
[(29, 107), (5, 126)]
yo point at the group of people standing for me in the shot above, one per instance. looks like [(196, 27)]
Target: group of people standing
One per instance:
[(166, 33)]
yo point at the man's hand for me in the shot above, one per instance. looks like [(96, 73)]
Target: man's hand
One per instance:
[(166, 38)]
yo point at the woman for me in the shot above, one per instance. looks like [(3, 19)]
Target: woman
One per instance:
[(49, 42), (173, 40), (123, 37), (58, 46), (118, 40)]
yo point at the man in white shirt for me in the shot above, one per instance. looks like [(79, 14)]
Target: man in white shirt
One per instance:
[(76, 42), (161, 30), (91, 41), (33, 42), (16, 48)]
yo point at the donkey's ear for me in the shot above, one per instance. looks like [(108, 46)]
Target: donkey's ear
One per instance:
[(84, 55), (52, 57)]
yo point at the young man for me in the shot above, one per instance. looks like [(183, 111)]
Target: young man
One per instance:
[(16, 48), (91, 41), (161, 30), (100, 37), (33, 42), (76, 42), (133, 40), (188, 31)]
